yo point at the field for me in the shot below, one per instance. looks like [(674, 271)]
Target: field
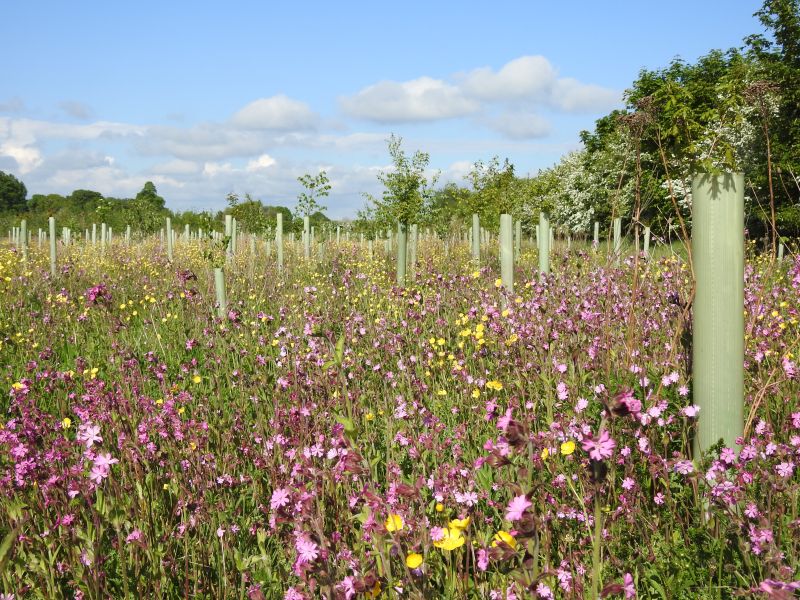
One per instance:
[(336, 436)]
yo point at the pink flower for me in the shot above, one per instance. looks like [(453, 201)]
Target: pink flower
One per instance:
[(134, 536), (630, 588), (89, 434), (516, 507), (280, 498), (691, 411), (307, 551), (483, 559), (601, 448), (104, 461), (785, 469), (503, 422), (770, 586), (347, 585), (293, 594)]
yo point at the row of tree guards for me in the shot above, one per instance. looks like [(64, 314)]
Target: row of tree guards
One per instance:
[(718, 260)]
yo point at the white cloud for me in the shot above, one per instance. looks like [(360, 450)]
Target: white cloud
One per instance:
[(524, 78), (278, 113), (27, 157), (533, 81), (176, 167), (527, 82), (520, 125), (214, 169), (202, 142), (571, 95), (423, 99), (259, 164)]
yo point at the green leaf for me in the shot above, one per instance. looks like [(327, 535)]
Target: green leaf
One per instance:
[(340, 350), (6, 546), (349, 427)]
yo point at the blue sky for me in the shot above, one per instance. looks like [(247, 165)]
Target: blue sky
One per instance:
[(204, 99)]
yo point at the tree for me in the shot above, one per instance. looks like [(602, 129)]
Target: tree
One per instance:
[(249, 213), (83, 199), (147, 209), (492, 184), (12, 192), (406, 187), (149, 196), (317, 186)]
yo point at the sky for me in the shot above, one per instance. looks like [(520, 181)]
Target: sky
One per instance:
[(204, 99)]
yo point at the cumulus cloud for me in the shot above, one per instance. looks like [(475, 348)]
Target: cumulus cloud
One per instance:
[(423, 99), (520, 125), (278, 113), (571, 95), (176, 167), (202, 142), (524, 78), (259, 164), (26, 157), (21, 139), (525, 83), (532, 81)]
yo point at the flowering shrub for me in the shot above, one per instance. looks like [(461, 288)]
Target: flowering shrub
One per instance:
[(335, 436)]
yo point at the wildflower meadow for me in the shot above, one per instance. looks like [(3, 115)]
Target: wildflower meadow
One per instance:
[(331, 434)]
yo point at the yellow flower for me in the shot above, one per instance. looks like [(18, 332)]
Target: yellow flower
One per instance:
[(476, 274), (197, 379), (545, 454), (494, 385), (369, 416), (394, 522), (451, 539), (413, 560), (567, 448), (458, 524), (498, 282), (17, 386), (375, 591), (439, 507), (503, 537), (66, 423), (505, 312)]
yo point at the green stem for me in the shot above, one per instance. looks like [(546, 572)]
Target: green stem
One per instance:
[(597, 565)]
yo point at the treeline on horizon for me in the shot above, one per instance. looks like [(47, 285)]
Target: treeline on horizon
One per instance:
[(733, 110)]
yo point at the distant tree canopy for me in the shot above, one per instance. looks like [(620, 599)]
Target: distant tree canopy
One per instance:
[(12, 192)]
